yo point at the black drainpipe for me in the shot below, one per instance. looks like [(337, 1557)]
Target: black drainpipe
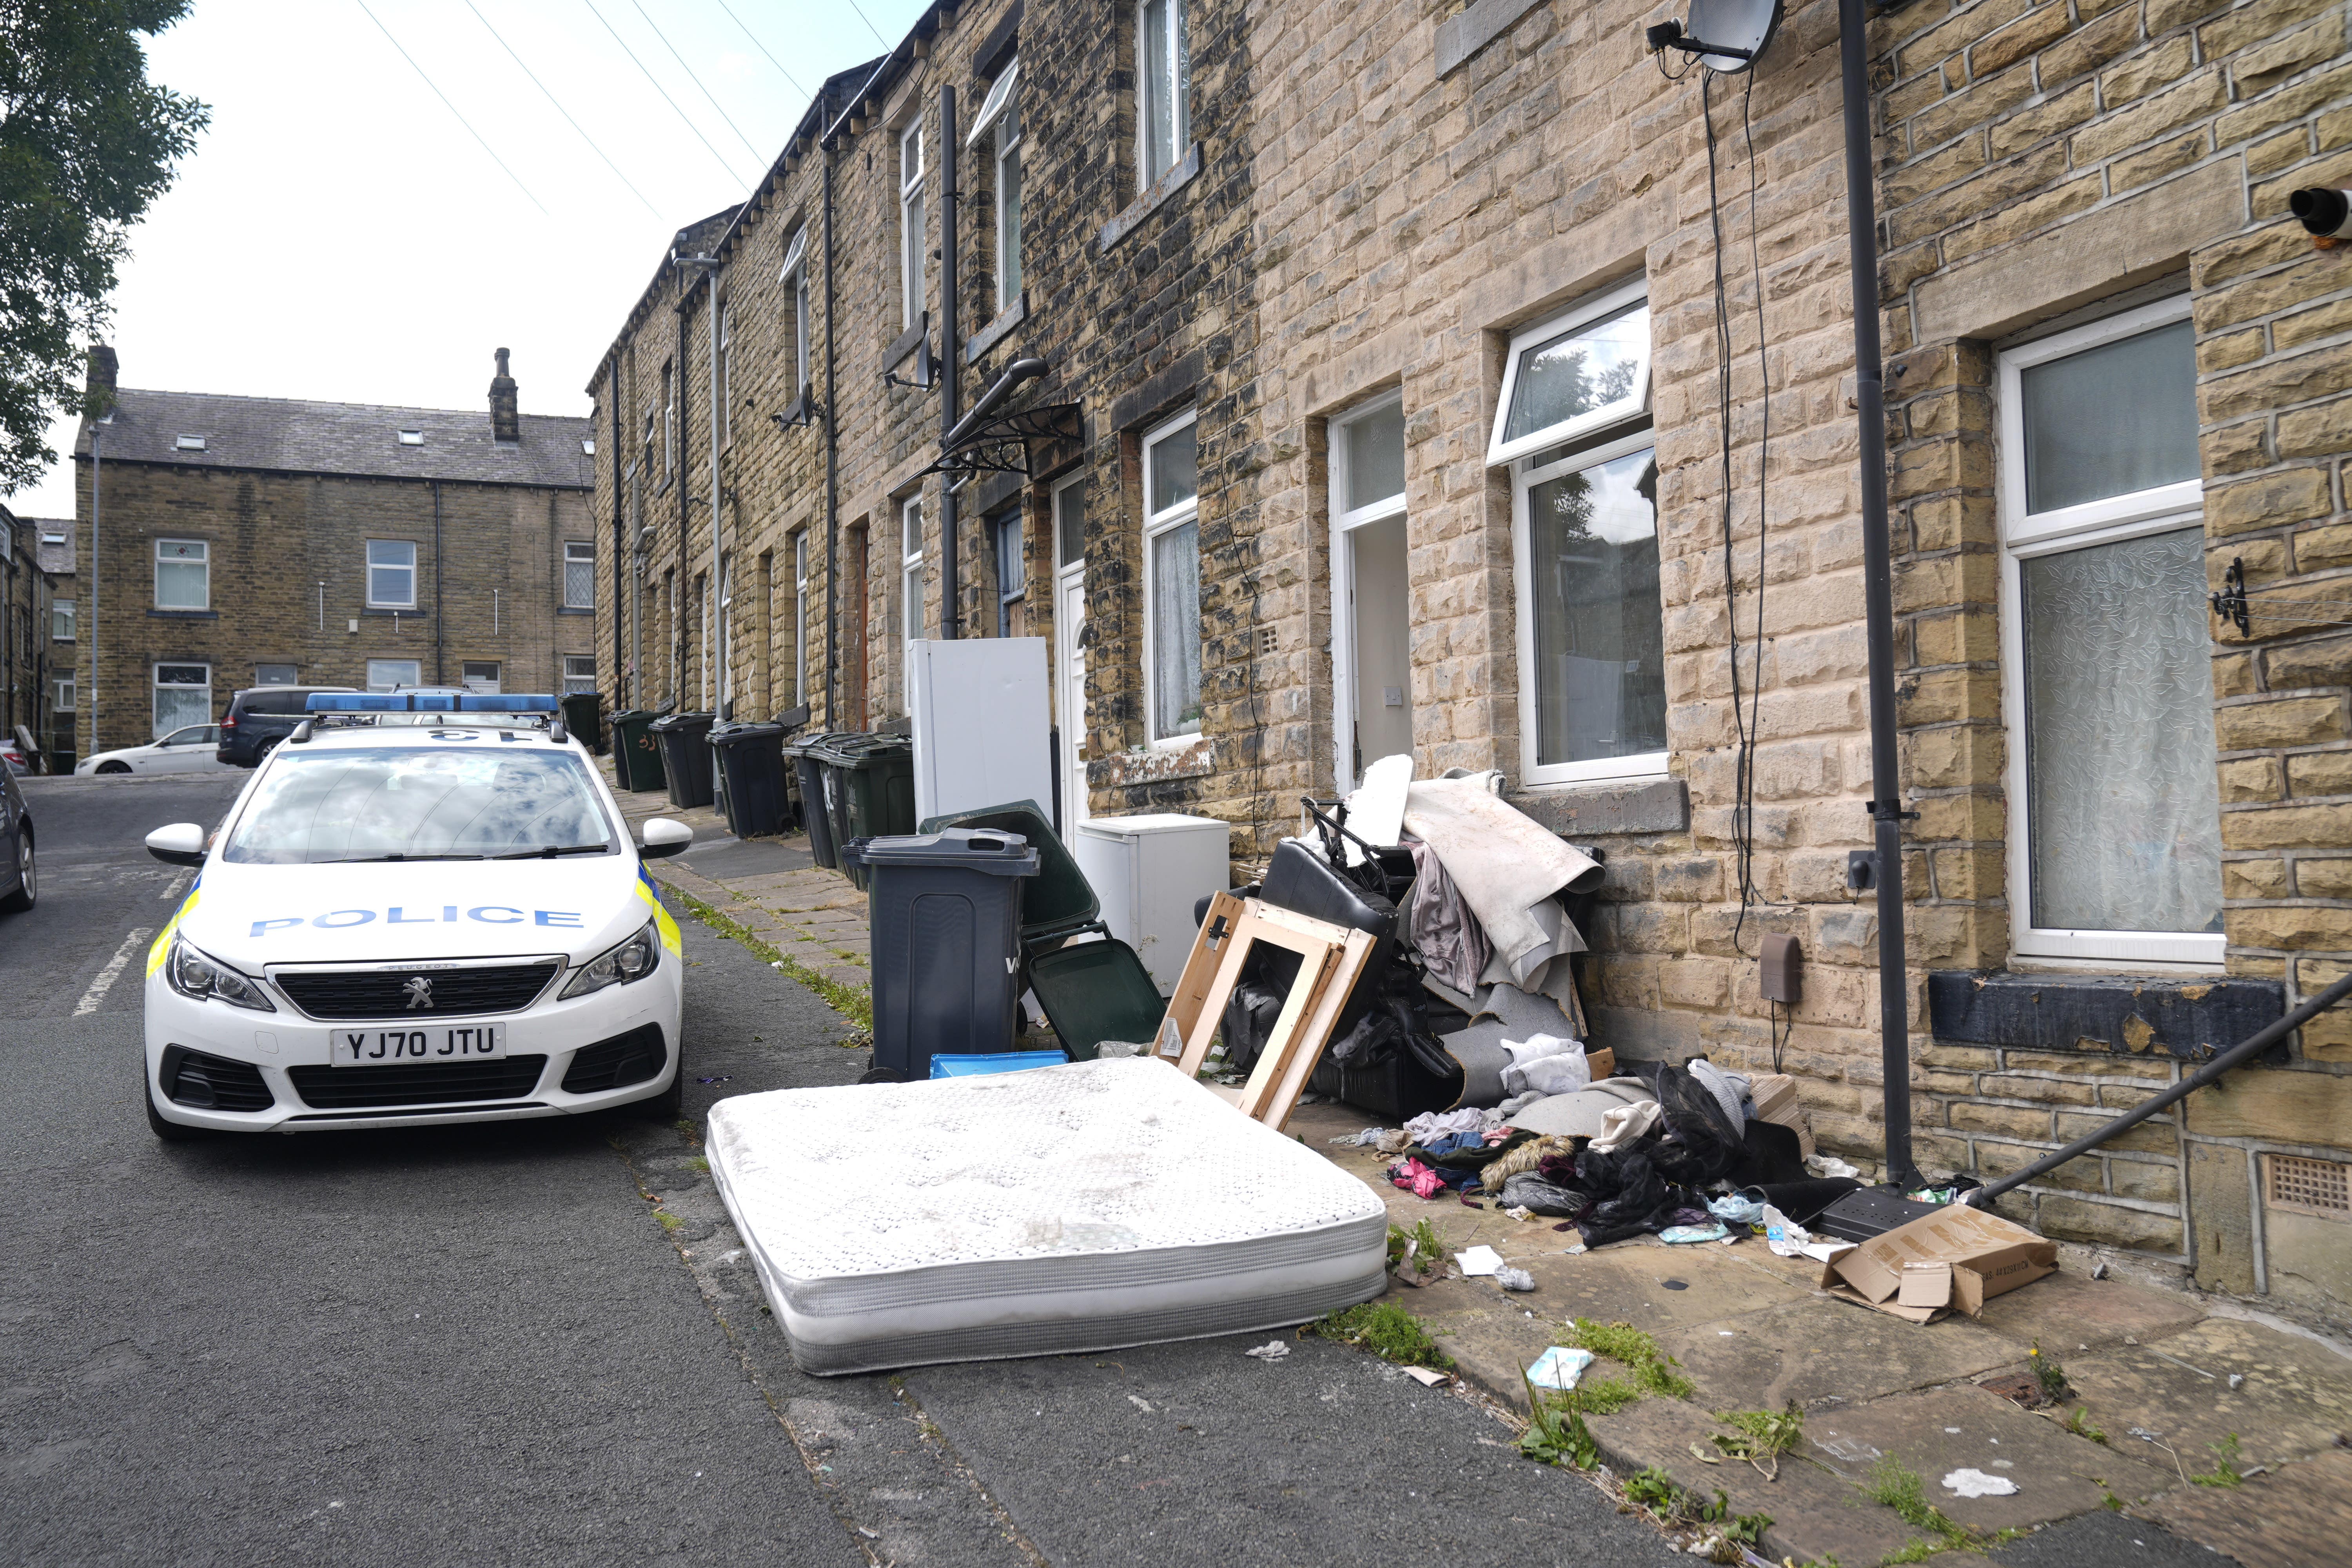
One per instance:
[(832, 475), (680, 469), (1878, 588), (439, 675), (951, 360), (619, 527)]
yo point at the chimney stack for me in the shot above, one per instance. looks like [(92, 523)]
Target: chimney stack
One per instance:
[(506, 424), (100, 385)]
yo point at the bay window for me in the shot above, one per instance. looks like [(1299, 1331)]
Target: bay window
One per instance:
[(2116, 853)]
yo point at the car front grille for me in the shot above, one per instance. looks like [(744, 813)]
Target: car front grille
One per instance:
[(213, 1083), (387, 994), (618, 1062), (419, 1083)]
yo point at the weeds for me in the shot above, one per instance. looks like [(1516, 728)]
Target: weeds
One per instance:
[(1654, 1490), (854, 1003), (1418, 1247), (2079, 1423), (1898, 1485), (1761, 1436), (698, 1163), (2224, 1473), (1556, 1431), (1654, 1371), (669, 1222), (2049, 1374), (1386, 1329)]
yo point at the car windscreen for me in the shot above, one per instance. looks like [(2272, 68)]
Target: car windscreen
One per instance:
[(416, 803)]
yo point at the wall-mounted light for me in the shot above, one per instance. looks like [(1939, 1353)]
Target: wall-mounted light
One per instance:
[(1725, 35)]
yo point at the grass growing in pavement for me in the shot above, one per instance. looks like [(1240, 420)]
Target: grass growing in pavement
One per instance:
[(1761, 1436), (1654, 1371), (854, 1003), (2224, 1472), (1898, 1485), (1386, 1329)]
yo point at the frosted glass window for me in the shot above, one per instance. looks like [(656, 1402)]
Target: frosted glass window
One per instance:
[(1176, 640), (184, 696), (1375, 449), (1600, 677), (2126, 811), (182, 574), (1587, 375), (579, 575), (2111, 420)]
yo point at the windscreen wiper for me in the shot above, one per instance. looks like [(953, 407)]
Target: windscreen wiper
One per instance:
[(548, 852), (372, 860)]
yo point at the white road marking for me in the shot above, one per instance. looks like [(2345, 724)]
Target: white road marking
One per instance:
[(106, 977), (178, 883)]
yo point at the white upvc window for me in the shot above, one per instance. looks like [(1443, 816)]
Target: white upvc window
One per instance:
[(1000, 118), (579, 575), (796, 280), (384, 674), (911, 225), (1369, 584), (1163, 87), (669, 418), (722, 372), (2114, 845), (61, 622), (579, 674), (184, 696), (910, 587), (184, 574), (1171, 581), (480, 675), (799, 617), (1574, 425), (65, 693), (391, 574), (1012, 570)]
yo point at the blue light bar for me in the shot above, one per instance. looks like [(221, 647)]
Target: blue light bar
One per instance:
[(429, 702)]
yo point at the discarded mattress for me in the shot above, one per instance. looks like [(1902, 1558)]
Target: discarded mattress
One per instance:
[(1066, 1208)]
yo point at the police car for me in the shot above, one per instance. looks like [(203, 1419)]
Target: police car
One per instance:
[(423, 908)]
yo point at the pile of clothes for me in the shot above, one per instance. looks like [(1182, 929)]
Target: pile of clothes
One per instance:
[(1654, 1150)]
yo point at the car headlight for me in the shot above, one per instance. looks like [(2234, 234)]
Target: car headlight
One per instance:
[(194, 974), (632, 960)]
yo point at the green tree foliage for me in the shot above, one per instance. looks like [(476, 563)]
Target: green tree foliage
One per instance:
[(87, 144)]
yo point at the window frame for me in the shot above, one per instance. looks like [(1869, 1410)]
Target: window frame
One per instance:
[(205, 560), (69, 609), (370, 566), (567, 674), (999, 111), (1154, 525), (572, 560), (799, 617), (1178, 89), (65, 694), (368, 671), (2137, 514), (1592, 307), (723, 370), (274, 664), (1010, 521), (1062, 487), (155, 685), (914, 224), (910, 587), (1344, 523), (669, 419), (794, 277)]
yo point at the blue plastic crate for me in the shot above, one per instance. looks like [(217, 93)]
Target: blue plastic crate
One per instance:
[(994, 1061)]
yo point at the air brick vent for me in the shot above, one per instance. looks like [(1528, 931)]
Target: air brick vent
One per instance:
[(2309, 1186)]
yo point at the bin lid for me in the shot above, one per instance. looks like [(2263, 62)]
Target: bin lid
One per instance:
[(862, 749), (744, 734), (968, 848), (634, 715), (1061, 899), (684, 721)]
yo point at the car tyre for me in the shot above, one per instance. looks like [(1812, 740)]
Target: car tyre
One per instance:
[(882, 1075), (167, 1131), (29, 890), (113, 767), (261, 753), (670, 1103)]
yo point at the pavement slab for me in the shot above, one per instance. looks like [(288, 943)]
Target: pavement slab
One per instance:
[(2298, 1516), (2072, 1311), (2296, 1397), (2058, 1475), (1814, 1348)]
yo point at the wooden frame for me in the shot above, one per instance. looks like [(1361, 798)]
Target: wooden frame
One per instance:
[(1331, 958)]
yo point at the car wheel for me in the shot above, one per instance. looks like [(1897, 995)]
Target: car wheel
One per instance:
[(166, 1131), (261, 753), (114, 767), (27, 878), (670, 1103)]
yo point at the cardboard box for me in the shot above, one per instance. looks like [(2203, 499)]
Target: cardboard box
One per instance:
[(1969, 1257), (1775, 1094)]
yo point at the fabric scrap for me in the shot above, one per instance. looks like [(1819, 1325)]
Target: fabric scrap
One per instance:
[(1511, 1278), (1625, 1125), (1439, 923), (1976, 1483), (1685, 1235), (1729, 1088), (1273, 1350), (1507, 866)]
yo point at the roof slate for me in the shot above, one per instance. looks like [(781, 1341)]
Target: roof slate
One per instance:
[(58, 560), (290, 434)]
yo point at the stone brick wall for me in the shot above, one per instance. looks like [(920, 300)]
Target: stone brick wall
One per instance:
[(2041, 163), (275, 539)]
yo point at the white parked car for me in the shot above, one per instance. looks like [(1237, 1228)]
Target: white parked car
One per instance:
[(412, 917), (185, 750)]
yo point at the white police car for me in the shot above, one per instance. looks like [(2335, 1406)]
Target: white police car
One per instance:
[(421, 908)]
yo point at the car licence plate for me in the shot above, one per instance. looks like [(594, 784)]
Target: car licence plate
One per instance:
[(387, 1047)]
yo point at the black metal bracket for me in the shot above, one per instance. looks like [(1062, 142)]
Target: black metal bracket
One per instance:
[(2230, 604), (999, 443), (803, 411)]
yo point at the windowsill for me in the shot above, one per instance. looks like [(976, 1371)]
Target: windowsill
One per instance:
[(1645, 803), (907, 343), (1166, 185), (387, 612), (184, 615), (577, 610), (2169, 1016), (995, 332)]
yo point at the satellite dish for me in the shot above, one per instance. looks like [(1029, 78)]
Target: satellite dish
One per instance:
[(1742, 29)]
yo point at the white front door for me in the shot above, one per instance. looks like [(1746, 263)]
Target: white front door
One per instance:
[(1070, 690)]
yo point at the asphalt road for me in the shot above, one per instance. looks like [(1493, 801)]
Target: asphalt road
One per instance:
[(489, 1346)]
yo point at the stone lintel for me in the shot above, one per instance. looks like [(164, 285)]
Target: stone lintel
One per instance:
[(2124, 1015), (1580, 811), (1160, 765)]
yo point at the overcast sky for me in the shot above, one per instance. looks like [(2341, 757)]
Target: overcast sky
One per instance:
[(337, 234)]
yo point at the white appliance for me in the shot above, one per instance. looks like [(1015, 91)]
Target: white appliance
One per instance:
[(1148, 872), (983, 723)]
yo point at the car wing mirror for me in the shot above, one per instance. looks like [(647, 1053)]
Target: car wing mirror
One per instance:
[(664, 835), (180, 843)]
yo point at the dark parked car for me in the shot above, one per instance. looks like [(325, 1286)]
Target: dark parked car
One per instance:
[(260, 717), (18, 885)]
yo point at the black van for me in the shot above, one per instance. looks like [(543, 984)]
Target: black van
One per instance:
[(261, 716)]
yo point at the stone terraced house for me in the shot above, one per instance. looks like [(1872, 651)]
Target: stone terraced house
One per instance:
[(232, 542), (1474, 382)]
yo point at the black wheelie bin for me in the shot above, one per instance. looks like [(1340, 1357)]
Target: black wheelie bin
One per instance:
[(944, 918), (685, 739)]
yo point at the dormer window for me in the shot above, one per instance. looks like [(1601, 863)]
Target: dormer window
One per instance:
[(588, 445), (412, 437), (190, 443)]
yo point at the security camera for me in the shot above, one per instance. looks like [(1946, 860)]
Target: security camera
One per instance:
[(2321, 211)]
